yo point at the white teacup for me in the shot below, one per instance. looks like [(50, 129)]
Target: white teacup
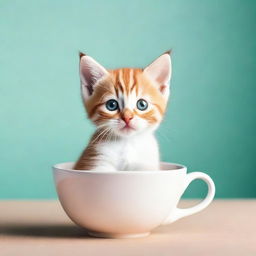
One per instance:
[(126, 203)]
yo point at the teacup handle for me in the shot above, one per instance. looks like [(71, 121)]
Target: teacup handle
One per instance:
[(180, 213)]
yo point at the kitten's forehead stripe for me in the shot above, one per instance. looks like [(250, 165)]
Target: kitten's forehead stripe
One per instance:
[(133, 82), (136, 82), (120, 81), (120, 86), (127, 79), (117, 92)]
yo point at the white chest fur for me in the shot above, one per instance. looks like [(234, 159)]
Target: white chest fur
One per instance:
[(134, 153)]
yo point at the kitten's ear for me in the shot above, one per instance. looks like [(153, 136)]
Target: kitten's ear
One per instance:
[(160, 71), (90, 73)]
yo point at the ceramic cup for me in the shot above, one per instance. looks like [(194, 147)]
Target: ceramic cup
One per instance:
[(126, 203)]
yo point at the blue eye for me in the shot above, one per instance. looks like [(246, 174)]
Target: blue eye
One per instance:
[(112, 105), (142, 104)]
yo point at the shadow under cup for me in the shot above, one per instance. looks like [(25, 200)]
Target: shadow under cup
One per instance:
[(126, 203)]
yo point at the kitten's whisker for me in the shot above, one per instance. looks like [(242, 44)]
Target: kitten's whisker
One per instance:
[(110, 134), (99, 135), (105, 131), (101, 126)]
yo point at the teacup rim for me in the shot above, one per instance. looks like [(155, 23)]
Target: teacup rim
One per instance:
[(59, 167)]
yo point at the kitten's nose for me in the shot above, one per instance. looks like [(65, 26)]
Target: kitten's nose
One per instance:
[(127, 116), (127, 119)]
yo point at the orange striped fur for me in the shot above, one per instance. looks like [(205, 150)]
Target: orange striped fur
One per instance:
[(127, 86)]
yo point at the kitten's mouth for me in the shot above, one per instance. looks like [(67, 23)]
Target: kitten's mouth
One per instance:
[(127, 128)]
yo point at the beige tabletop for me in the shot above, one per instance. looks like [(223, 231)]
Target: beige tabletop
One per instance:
[(226, 227)]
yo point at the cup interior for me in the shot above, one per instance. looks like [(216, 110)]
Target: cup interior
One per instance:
[(164, 166)]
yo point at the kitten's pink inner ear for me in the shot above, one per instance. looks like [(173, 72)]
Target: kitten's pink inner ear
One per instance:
[(90, 73), (160, 71)]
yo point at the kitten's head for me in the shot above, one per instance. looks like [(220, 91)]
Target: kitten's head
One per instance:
[(126, 101)]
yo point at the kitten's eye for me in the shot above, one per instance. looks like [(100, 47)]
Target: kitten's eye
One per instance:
[(142, 104), (112, 105)]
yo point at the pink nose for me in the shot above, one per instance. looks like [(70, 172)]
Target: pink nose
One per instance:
[(127, 115), (127, 119)]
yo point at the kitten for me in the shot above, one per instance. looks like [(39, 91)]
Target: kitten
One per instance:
[(126, 105)]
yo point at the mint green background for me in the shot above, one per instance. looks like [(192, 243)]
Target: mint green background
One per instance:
[(210, 125)]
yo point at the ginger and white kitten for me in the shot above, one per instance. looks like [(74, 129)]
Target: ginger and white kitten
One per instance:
[(126, 105)]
